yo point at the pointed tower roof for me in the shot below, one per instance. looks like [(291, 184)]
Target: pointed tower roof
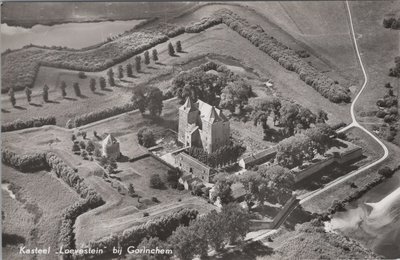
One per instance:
[(109, 140), (188, 105), (214, 117)]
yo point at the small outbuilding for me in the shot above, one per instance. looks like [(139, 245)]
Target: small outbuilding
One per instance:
[(110, 147)]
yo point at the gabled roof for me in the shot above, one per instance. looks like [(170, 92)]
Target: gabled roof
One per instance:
[(210, 113), (189, 106), (109, 140)]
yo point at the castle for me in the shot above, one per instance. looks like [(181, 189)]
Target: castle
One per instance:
[(202, 125)]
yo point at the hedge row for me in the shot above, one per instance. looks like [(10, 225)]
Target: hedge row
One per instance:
[(99, 115), (67, 237), (286, 57), (160, 227), (34, 122), (38, 161), (205, 23)]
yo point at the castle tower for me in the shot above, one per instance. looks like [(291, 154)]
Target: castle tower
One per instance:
[(188, 114), (110, 147)]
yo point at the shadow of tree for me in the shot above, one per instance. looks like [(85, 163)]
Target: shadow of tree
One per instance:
[(20, 108)]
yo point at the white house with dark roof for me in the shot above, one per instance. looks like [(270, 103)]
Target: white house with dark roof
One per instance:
[(202, 125)]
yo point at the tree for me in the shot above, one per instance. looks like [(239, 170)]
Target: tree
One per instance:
[(236, 220), (75, 147), (235, 94), (45, 93), (11, 94), (102, 83), (188, 241), (28, 93), (155, 55), (77, 89), (82, 144), (146, 137), (156, 182), (146, 58), (111, 80), (120, 72), (129, 70), (155, 101), (139, 99), (81, 75), (178, 46), (90, 147), (214, 227), (73, 137), (387, 85), (92, 85), (63, 87), (222, 188), (293, 151), (97, 152), (322, 116), (131, 190), (138, 60), (171, 50)]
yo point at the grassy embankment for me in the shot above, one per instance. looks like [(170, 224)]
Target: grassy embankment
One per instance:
[(35, 214)]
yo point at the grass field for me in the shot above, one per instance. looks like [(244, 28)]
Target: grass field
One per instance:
[(378, 46), (35, 214)]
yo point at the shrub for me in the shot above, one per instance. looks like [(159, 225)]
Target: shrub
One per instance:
[(146, 58), (34, 122), (380, 114), (146, 137), (77, 89), (178, 46), (82, 75), (156, 182), (386, 171), (155, 55)]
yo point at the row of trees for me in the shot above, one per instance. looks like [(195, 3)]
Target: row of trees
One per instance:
[(161, 228), (295, 150), (224, 155), (290, 116), (214, 230), (269, 183), (286, 57), (33, 122)]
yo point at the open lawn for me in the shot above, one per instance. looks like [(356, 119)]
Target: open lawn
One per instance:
[(35, 214)]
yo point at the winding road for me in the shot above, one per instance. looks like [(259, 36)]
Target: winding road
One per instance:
[(354, 123)]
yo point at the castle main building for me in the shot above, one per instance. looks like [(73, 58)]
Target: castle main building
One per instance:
[(202, 125)]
